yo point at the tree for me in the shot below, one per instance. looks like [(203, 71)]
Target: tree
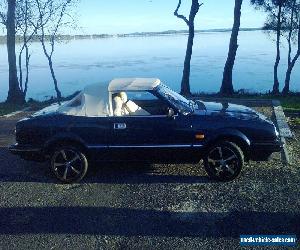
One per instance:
[(24, 18), (293, 28), (15, 95), (185, 82), (278, 32), (275, 10), (227, 86), (52, 15)]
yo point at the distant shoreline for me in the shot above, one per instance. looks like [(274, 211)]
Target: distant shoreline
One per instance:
[(135, 34)]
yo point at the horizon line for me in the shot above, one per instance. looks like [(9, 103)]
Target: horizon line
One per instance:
[(156, 32)]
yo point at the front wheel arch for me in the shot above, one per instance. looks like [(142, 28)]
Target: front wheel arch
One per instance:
[(240, 142)]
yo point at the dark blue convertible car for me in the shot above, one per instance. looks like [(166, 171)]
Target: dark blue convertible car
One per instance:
[(141, 119)]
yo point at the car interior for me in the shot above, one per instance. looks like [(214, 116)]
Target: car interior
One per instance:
[(138, 104)]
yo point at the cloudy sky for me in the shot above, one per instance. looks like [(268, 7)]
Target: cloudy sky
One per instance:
[(126, 16)]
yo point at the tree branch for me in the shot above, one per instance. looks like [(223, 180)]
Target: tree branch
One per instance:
[(298, 35), (2, 18), (291, 32), (181, 16)]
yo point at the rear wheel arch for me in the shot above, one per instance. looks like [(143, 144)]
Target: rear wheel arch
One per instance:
[(68, 163), (59, 142)]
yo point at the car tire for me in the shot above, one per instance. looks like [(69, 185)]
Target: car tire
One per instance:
[(224, 161), (69, 164)]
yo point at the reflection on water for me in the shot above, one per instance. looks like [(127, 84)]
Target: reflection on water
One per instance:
[(81, 62)]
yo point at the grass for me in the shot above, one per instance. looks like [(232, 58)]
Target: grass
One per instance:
[(291, 103), (294, 121)]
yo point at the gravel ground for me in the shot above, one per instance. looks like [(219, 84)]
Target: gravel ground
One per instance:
[(141, 206)]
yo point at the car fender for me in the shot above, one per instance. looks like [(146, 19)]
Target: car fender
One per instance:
[(64, 137), (230, 133)]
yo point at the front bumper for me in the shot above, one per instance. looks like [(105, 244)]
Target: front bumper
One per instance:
[(261, 151), (275, 146), (27, 152)]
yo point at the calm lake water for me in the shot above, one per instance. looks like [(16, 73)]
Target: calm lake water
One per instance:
[(81, 62)]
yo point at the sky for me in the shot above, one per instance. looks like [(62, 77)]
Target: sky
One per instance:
[(127, 16)]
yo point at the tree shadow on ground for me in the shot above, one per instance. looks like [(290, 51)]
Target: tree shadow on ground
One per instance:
[(15, 169), (137, 222)]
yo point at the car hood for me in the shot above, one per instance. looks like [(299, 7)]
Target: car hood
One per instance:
[(228, 109)]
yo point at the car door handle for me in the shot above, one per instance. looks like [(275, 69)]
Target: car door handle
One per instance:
[(119, 126)]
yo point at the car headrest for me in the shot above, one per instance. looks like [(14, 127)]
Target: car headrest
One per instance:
[(123, 96), (118, 106)]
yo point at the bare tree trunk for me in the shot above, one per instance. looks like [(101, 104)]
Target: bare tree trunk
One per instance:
[(58, 93), (185, 82), (51, 19), (20, 68), (49, 58), (15, 95), (227, 86), (27, 55), (24, 86), (286, 88), (26, 39), (276, 81), (291, 62)]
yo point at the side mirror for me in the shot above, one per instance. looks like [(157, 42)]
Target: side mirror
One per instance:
[(171, 113)]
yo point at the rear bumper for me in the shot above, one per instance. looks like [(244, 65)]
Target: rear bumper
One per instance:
[(262, 151), (27, 152)]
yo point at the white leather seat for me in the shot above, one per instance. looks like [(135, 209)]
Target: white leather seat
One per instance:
[(118, 106), (123, 106)]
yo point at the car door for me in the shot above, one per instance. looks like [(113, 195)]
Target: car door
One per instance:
[(154, 137), (94, 132)]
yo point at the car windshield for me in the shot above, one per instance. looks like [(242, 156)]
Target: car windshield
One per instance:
[(184, 105)]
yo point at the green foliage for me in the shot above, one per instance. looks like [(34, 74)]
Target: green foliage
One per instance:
[(290, 103), (296, 121)]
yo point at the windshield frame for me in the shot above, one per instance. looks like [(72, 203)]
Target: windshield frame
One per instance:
[(179, 102)]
